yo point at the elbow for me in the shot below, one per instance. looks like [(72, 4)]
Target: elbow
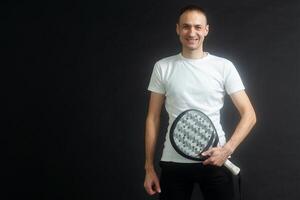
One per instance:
[(253, 118), (249, 117), (152, 119)]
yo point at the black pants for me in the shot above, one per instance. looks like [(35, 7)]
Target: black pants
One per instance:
[(177, 181)]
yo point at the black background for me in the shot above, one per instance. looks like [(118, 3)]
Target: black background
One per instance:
[(74, 78)]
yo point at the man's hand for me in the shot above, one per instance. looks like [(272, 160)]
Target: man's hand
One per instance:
[(216, 156), (151, 183)]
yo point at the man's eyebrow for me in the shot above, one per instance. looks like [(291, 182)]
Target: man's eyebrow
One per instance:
[(185, 24)]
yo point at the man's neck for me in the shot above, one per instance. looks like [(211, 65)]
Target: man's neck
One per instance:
[(195, 54)]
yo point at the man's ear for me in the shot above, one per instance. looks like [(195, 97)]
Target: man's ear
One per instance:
[(207, 29), (177, 29)]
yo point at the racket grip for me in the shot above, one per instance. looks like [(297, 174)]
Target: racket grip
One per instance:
[(232, 167)]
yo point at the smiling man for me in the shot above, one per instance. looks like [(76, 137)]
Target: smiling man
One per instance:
[(194, 79), (192, 28)]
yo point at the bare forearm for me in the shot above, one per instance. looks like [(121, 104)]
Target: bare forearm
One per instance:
[(246, 123), (152, 130)]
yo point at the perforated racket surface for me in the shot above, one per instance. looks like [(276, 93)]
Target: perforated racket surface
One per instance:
[(192, 133)]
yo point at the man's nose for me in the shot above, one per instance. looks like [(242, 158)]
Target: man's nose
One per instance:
[(192, 32)]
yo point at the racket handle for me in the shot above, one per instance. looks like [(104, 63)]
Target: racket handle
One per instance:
[(232, 167)]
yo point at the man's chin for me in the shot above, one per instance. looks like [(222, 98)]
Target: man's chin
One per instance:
[(192, 48)]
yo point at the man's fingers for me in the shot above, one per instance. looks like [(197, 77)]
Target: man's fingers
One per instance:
[(214, 159), (151, 183), (208, 152), (157, 187), (153, 188), (208, 161), (211, 157), (149, 189)]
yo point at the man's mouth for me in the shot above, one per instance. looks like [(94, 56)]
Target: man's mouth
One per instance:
[(192, 39)]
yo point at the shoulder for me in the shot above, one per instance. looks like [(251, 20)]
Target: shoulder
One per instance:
[(168, 60), (221, 64), (220, 60)]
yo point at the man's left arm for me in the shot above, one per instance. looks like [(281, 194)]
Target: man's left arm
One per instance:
[(218, 155)]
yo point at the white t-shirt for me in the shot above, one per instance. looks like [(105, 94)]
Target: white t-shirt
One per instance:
[(194, 84)]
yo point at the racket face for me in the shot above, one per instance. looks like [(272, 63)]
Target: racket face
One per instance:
[(192, 133)]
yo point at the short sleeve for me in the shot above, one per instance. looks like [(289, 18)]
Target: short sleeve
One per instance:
[(156, 81), (233, 82)]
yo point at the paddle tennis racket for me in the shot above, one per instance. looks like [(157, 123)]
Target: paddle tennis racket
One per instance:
[(192, 133)]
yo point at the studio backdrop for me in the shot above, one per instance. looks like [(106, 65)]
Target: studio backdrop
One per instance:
[(75, 89)]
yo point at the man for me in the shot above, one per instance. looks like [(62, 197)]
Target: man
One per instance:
[(194, 79)]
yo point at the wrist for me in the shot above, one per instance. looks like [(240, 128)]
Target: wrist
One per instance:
[(229, 148), (149, 167)]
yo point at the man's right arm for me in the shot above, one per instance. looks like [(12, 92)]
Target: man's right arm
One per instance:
[(151, 183)]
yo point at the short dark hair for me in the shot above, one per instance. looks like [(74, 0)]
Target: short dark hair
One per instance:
[(191, 8)]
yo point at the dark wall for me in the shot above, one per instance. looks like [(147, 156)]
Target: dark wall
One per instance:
[(74, 84)]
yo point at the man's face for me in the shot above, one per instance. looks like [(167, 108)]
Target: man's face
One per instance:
[(192, 29)]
